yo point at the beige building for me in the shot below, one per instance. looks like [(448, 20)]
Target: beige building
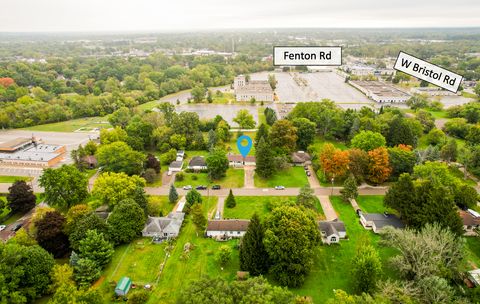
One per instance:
[(28, 152), (260, 90), (380, 92), (432, 91)]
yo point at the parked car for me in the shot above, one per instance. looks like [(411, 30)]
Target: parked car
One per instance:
[(2, 227), (169, 173), (308, 173), (216, 187), (188, 187), (305, 167), (16, 227), (201, 187), (279, 188)]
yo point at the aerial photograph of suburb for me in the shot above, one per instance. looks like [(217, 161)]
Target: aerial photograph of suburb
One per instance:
[(239, 152)]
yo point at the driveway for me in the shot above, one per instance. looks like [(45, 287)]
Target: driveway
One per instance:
[(249, 176), (327, 207), (312, 179)]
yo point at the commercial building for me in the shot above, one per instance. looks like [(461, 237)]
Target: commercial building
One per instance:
[(260, 90), (380, 92), (28, 152), (432, 91)]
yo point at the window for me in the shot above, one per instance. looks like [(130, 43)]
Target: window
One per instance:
[(333, 239), (238, 232)]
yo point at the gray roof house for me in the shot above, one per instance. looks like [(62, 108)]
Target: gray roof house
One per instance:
[(377, 221), (332, 231), (175, 166), (163, 228), (301, 158), (197, 163)]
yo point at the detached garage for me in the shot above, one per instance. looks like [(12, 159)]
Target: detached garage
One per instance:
[(123, 286)]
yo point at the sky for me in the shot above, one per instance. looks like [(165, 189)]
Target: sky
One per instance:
[(161, 15)]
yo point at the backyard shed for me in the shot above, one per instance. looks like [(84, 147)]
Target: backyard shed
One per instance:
[(123, 286)]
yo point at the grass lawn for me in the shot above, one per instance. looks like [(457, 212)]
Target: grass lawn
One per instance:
[(319, 142), (372, 203), (224, 98), (261, 116), (292, 177), (333, 263), (232, 145), (248, 205), (85, 124), (233, 179), (162, 203), (438, 114), (12, 219), (11, 179)]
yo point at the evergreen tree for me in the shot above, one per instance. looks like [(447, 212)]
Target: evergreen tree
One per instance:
[(367, 269), (198, 217), (172, 194), (449, 151), (253, 256), (212, 139), (85, 272), (306, 197), (261, 133), (230, 201), (350, 189), (400, 132), (264, 159), (96, 248)]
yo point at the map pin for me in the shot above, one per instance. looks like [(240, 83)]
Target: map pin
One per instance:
[(244, 150)]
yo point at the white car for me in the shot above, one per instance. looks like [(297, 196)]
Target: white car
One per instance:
[(2, 227), (188, 187), (279, 188)]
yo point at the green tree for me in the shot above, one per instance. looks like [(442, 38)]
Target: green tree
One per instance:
[(270, 116), (86, 271), (50, 234), (198, 217), (230, 201), (20, 197), (449, 151), (193, 197), (212, 139), (126, 221), (283, 136), (350, 189), (82, 225), (112, 188), (290, 237), (368, 140), (306, 197), (119, 157), (96, 248), (172, 194), (120, 117), (217, 164), (139, 296), (272, 81), (64, 187), (198, 93), (61, 274), (367, 269), (253, 256), (244, 119), (401, 132), (261, 133), (264, 159), (473, 135), (418, 101), (68, 293), (306, 131), (401, 160), (426, 119), (224, 255), (435, 137)]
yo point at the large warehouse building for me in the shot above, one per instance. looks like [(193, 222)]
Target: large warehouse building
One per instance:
[(28, 152), (380, 91), (260, 90)]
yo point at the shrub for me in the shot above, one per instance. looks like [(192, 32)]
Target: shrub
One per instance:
[(150, 175), (179, 177), (138, 297)]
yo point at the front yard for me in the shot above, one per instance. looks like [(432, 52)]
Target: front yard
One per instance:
[(233, 179), (291, 177), (248, 205)]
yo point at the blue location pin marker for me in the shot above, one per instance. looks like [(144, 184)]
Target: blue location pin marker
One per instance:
[(244, 150)]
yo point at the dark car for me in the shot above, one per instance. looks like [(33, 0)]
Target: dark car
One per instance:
[(216, 187), (308, 173), (16, 227), (201, 188)]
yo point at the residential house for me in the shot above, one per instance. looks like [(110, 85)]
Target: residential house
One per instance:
[(163, 228), (90, 161), (175, 166), (197, 163), (236, 160), (180, 155), (332, 231), (227, 229), (470, 222), (301, 158), (377, 221)]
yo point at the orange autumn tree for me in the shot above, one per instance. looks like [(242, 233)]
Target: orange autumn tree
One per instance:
[(379, 167), (6, 82), (403, 147), (334, 161)]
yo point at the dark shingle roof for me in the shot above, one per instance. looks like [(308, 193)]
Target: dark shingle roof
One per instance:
[(228, 225), (197, 161)]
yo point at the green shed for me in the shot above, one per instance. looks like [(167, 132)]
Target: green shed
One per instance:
[(123, 286)]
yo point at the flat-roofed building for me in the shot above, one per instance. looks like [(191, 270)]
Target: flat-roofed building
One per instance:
[(260, 90), (27, 152), (380, 92), (432, 91)]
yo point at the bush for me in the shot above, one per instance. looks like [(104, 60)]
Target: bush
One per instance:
[(194, 177), (138, 297), (179, 177), (150, 175), (155, 206)]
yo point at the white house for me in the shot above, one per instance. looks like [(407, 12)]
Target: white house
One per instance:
[(227, 229), (197, 163), (236, 160), (163, 228), (332, 231), (377, 221)]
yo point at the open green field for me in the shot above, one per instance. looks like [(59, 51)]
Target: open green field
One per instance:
[(319, 142), (232, 145), (11, 179), (84, 124), (292, 177), (233, 179), (372, 203), (248, 205), (333, 263), (261, 116)]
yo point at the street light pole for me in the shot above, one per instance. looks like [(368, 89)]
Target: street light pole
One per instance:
[(333, 179)]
